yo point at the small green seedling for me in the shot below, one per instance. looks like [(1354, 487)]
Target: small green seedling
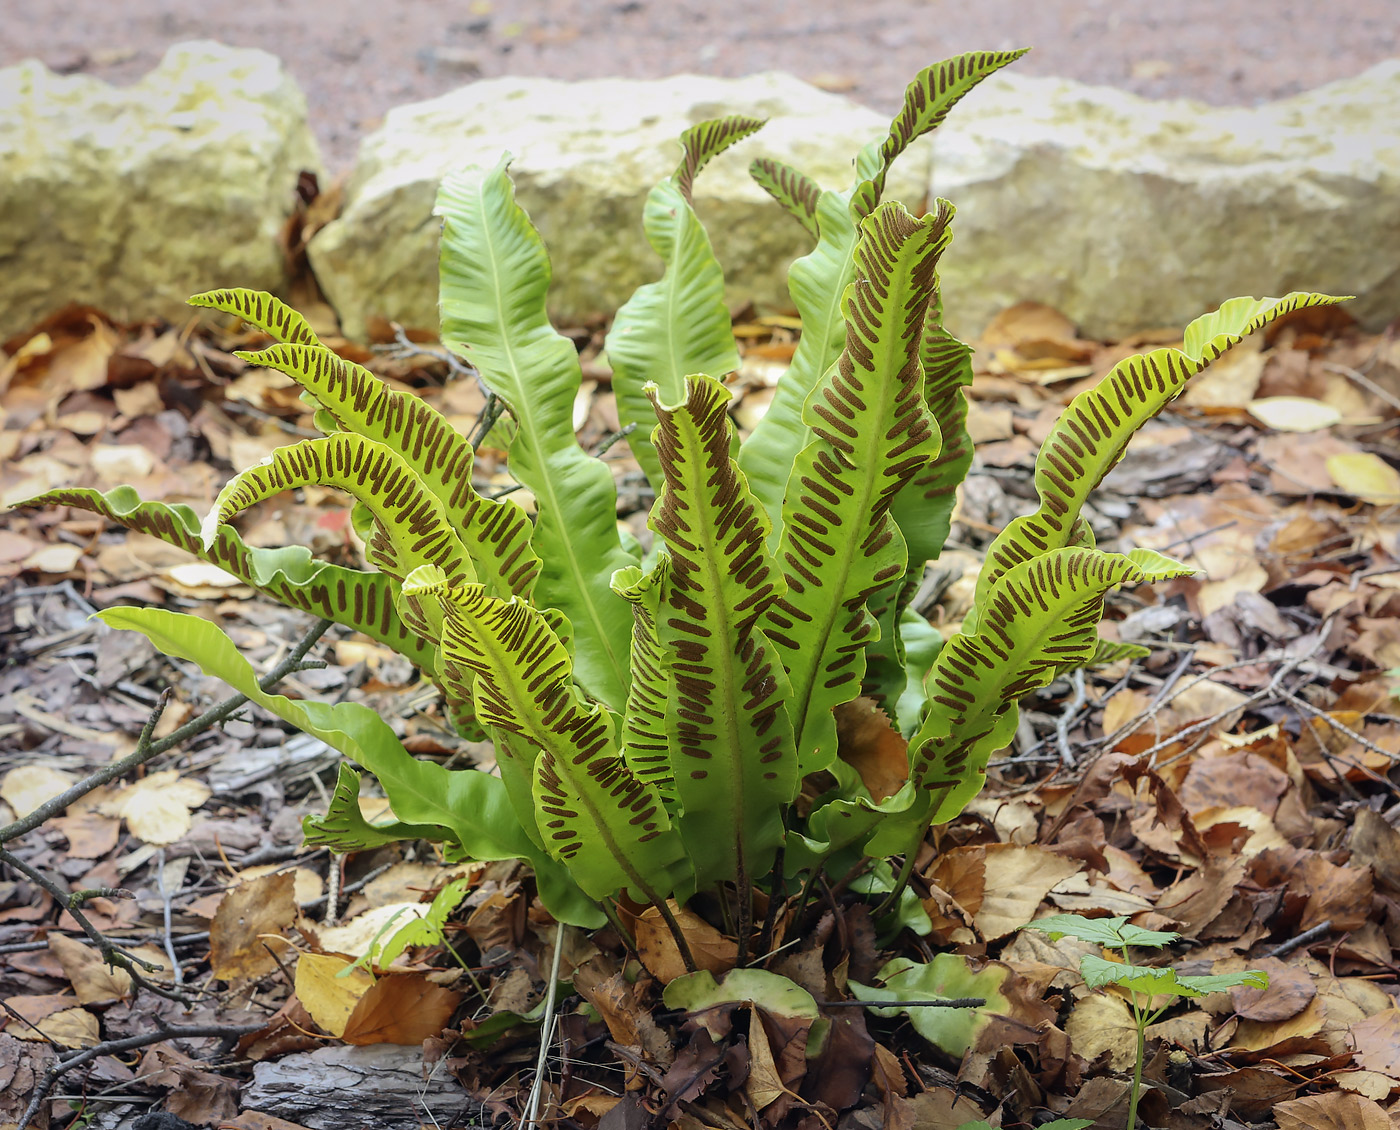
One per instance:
[(1142, 982), (425, 931)]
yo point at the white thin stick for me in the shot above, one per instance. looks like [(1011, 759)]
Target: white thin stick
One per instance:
[(532, 1108)]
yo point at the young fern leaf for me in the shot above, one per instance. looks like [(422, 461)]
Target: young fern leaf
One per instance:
[(609, 828), (646, 744), (496, 533), (935, 90), (872, 433), (271, 315), (817, 281), (361, 601), (923, 510), (730, 738), (679, 325), (1041, 616), (796, 192), (276, 319), (494, 280), (412, 526), (1091, 435)]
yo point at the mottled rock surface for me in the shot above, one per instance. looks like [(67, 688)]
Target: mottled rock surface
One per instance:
[(585, 156), (133, 198), (1126, 213)]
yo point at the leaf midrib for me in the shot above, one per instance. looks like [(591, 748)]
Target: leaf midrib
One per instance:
[(581, 589)]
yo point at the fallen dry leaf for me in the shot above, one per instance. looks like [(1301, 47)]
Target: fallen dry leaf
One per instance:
[(329, 989), (1294, 414), (658, 952), (1333, 1110), (248, 913), (55, 1019), (93, 981), (1365, 476), (26, 788), (1377, 1040), (1015, 881), (1102, 1023), (157, 808), (399, 1008), (1290, 990), (89, 835), (869, 744)]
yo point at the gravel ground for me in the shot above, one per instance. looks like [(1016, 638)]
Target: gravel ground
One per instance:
[(357, 58)]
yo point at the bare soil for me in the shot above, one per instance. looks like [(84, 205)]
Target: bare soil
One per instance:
[(357, 58)]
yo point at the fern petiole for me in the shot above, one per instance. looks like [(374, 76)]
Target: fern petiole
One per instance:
[(911, 855)]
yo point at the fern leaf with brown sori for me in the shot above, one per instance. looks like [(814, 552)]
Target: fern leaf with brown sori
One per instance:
[(411, 524), (873, 434), (730, 737), (358, 600), (495, 532)]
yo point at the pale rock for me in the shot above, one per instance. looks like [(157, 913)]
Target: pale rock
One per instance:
[(1126, 213), (585, 156), (131, 199)]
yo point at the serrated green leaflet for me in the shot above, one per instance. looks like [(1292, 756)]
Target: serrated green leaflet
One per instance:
[(872, 434), (1114, 932), (425, 931), (679, 326), (1155, 981), (494, 279), (731, 742)]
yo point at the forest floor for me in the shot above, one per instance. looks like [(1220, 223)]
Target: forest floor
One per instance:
[(1237, 786)]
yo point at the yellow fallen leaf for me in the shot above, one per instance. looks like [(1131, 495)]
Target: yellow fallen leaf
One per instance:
[(1293, 413), (1368, 477), (327, 996), (157, 808), (308, 884), (24, 789)]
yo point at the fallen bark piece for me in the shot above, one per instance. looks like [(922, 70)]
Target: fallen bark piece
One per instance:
[(383, 1084)]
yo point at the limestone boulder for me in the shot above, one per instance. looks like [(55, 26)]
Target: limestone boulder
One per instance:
[(133, 198), (585, 156), (1126, 213)]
